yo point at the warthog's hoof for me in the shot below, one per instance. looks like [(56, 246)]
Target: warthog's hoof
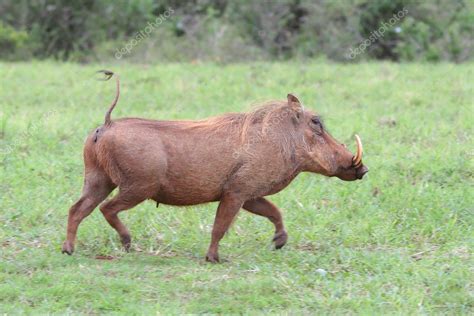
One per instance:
[(280, 239), (126, 242), (212, 258), (67, 248)]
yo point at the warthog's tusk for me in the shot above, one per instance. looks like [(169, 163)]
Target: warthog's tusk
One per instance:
[(357, 159)]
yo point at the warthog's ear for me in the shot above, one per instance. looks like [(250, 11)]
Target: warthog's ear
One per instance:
[(292, 98), (295, 104)]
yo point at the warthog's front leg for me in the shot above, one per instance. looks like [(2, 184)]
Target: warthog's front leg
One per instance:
[(263, 207), (228, 207)]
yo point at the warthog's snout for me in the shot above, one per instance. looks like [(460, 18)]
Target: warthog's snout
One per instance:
[(361, 171)]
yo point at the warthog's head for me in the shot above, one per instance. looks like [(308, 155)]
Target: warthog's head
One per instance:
[(322, 153)]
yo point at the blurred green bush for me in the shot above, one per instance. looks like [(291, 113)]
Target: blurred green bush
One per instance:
[(224, 30), (12, 43)]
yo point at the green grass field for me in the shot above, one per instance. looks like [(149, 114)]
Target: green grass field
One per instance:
[(400, 241)]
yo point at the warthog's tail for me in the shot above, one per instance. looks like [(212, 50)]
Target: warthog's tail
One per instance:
[(109, 74)]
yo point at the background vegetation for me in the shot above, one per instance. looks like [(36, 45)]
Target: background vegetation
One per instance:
[(244, 30), (398, 242)]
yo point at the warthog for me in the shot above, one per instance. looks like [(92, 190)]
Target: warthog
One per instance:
[(236, 159)]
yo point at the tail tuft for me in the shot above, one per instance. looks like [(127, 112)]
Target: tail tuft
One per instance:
[(109, 74)]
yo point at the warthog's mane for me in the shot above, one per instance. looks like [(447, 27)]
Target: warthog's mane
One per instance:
[(271, 121), (266, 118)]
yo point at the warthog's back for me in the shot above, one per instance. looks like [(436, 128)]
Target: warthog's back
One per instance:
[(174, 162)]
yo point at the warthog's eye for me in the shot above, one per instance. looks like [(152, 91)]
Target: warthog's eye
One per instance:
[(317, 125)]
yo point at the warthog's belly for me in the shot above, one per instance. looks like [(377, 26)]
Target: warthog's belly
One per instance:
[(187, 193)]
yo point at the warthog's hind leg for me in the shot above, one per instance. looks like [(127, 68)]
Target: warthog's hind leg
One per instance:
[(97, 186), (263, 207), (126, 199)]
